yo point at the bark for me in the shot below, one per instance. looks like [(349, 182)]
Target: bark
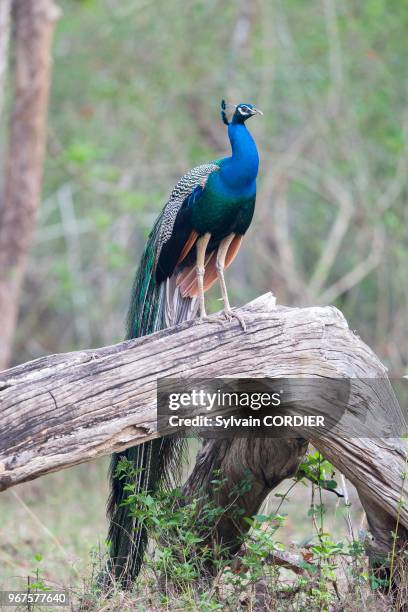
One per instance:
[(33, 25), (259, 463)]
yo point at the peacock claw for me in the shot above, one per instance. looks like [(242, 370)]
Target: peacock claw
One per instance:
[(227, 316), (208, 319), (230, 315)]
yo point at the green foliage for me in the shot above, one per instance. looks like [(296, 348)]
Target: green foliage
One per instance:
[(181, 528), (187, 560), (329, 558), (38, 583), (315, 468)]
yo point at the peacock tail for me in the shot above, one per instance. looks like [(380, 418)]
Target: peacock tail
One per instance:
[(156, 303)]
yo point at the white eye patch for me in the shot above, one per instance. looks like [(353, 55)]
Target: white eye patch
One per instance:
[(244, 110)]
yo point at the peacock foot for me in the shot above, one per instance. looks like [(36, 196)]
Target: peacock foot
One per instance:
[(227, 316), (230, 315), (209, 319)]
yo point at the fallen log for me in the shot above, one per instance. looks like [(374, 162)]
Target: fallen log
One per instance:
[(66, 409)]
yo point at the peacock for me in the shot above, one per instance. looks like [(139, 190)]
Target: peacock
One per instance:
[(195, 238)]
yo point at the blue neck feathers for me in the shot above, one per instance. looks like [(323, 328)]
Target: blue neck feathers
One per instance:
[(241, 168)]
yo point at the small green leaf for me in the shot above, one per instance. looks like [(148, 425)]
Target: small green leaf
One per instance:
[(261, 518)]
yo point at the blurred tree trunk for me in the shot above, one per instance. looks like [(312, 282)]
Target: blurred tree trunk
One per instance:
[(5, 6), (33, 29)]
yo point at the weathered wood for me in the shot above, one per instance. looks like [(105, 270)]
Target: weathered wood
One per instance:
[(260, 463), (66, 409)]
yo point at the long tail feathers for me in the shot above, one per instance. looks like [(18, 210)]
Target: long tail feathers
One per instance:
[(153, 307), (155, 464)]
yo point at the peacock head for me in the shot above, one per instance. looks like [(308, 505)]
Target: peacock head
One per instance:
[(241, 112)]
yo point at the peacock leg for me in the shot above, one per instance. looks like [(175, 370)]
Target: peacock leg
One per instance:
[(201, 247), (220, 265)]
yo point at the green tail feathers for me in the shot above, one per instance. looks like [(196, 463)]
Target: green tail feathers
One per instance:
[(146, 314), (155, 462)]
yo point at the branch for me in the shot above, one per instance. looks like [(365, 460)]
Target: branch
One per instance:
[(335, 56), (333, 189), (66, 409), (360, 271)]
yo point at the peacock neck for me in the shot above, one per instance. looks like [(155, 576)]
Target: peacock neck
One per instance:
[(241, 168)]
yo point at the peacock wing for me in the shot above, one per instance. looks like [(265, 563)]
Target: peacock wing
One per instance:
[(156, 301), (176, 236)]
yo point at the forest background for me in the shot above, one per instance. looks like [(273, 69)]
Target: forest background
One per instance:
[(134, 103)]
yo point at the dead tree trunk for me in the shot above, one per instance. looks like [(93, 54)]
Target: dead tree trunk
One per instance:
[(33, 26), (262, 463), (66, 409)]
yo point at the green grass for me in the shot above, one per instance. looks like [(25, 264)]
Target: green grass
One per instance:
[(60, 517)]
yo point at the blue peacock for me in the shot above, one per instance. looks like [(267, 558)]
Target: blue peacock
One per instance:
[(195, 238)]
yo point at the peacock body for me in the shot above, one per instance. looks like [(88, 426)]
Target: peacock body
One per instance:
[(196, 236)]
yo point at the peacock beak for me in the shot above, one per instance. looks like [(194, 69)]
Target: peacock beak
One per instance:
[(256, 111)]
